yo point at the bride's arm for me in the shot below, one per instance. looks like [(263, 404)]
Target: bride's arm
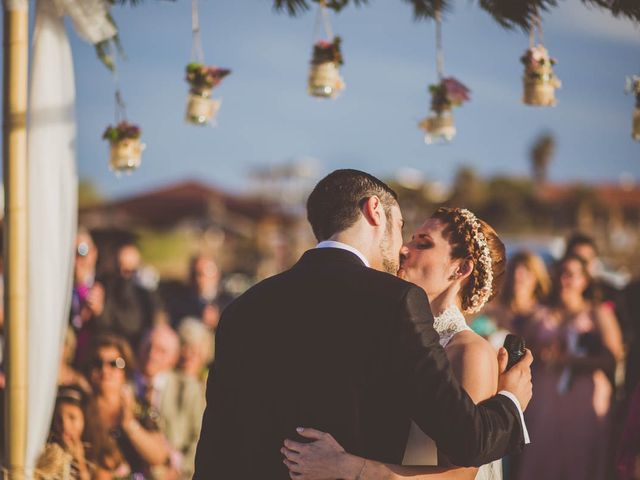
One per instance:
[(474, 363), (325, 458)]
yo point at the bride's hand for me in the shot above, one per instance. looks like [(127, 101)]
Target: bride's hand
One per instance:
[(323, 459)]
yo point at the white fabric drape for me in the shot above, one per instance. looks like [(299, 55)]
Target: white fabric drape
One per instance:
[(90, 19), (52, 215)]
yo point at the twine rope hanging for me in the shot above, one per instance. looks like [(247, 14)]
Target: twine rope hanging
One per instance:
[(439, 49), (322, 22), (120, 106), (197, 53), (536, 25)]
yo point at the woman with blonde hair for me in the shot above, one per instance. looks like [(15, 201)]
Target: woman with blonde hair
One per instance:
[(526, 287)]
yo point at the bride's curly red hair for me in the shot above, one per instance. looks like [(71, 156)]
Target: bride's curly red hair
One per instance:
[(459, 233)]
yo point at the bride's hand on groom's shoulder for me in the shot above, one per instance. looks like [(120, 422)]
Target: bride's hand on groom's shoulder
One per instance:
[(322, 459), (517, 379)]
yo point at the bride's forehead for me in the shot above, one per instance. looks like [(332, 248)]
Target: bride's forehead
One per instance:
[(431, 226)]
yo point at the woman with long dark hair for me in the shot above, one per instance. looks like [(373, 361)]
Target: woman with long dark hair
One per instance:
[(576, 342)]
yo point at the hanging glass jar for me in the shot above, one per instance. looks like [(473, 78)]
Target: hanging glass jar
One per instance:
[(440, 126), (201, 106), (324, 74), (125, 147), (633, 87), (539, 80)]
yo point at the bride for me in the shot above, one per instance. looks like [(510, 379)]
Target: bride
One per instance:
[(459, 261)]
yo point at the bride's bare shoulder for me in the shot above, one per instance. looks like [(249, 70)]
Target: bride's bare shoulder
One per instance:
[(475, 364), (470, 344)]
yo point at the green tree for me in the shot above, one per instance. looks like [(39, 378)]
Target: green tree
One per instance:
[(469, 190), (88, 193), (513, 205)]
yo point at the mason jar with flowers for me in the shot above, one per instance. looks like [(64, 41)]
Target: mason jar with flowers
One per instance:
[(324, 75), (633, 87), (539, 80), (126, 147), (201, 106), (440, 125)]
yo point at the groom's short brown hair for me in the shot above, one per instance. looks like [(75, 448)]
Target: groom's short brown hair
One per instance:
[(335, 202)]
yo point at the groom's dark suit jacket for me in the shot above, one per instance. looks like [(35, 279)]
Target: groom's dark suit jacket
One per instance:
[(340, 347)]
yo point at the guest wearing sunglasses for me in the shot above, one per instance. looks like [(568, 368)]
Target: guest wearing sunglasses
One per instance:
[(123, 433)]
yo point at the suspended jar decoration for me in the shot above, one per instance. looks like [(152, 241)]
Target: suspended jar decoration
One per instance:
[(202, 107), (126, 147), (124, 137), (633, 87), (440, 125), (539, 80), (449, 92), (324, 73)]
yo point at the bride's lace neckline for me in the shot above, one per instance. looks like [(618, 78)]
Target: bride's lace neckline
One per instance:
[(448, 323)]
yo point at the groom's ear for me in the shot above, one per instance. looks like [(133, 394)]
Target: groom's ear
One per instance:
[(372, 210)]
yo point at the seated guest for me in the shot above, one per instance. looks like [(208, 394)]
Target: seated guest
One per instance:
[(178, 399), (204, 298), (64, 455), (196, 352), (124, 435)]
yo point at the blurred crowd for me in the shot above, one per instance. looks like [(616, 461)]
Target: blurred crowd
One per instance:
[(134, 365), (584, 418), (133, 370)]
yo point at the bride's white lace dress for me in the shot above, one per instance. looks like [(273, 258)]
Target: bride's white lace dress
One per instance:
[(421, 450)]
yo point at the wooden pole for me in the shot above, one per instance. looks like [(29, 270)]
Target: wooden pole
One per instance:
[(14, 158)]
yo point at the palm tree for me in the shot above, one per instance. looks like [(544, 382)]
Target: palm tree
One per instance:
[(541, 154)]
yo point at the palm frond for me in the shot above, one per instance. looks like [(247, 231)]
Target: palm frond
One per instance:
[(425, 9), (293, 7), (296, 7), (521, 13), (619, 8)]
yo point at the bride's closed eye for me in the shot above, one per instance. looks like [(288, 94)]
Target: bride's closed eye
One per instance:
[(424, 243)]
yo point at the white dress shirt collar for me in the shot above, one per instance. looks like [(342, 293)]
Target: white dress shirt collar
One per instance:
[(343, 246)]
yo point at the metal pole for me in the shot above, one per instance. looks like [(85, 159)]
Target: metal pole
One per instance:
[(14, 158)]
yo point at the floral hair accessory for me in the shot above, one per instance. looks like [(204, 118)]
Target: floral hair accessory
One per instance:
[(482, 292)]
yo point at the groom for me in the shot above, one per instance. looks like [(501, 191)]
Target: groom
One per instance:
[(340, 344)]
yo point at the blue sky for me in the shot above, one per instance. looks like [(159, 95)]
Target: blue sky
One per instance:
[(267, 116)]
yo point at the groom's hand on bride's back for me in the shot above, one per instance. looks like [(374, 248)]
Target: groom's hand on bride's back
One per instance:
[(517, 379)]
